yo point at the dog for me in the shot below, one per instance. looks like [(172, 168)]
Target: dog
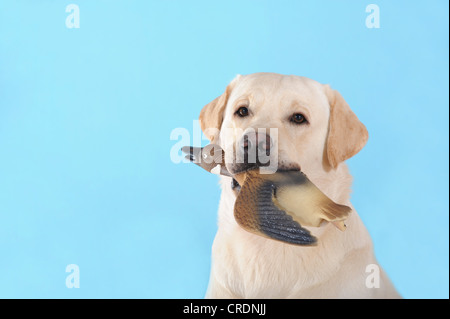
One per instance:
[(316, 131)]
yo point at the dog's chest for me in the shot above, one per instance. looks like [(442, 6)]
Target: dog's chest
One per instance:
[(262, 268)]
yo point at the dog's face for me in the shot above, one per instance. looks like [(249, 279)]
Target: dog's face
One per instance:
[(287, 122)]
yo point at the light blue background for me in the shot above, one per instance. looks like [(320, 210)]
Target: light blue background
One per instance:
[(86, 115)]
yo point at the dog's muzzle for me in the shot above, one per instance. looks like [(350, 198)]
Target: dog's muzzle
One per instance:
[(253, 150)]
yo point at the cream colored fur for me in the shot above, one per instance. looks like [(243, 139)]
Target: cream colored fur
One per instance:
[(245, 265)]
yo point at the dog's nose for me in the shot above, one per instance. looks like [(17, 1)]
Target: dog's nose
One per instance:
[(256, 143)]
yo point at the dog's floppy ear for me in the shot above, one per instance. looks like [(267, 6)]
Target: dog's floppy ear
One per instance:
[(346, 134), (211, 116)]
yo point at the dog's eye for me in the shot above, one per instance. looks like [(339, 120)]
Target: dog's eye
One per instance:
[(298, 118), (242, 111)]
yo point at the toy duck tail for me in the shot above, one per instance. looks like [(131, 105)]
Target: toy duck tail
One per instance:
[(335, 213), (306, 203)]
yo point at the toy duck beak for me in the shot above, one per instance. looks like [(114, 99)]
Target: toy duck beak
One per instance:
[(210, 158), (193, 153)]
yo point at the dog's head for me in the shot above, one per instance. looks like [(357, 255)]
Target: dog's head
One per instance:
[(282, 122)]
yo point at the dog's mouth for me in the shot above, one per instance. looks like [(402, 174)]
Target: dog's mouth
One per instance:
[(236, 187)]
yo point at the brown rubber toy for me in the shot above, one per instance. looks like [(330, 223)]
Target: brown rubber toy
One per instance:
[(274, 205)]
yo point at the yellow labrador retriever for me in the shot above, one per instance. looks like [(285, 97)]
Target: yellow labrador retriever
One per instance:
[(317, 131)]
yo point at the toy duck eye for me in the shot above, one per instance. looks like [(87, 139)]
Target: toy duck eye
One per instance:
[(242, 111)]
